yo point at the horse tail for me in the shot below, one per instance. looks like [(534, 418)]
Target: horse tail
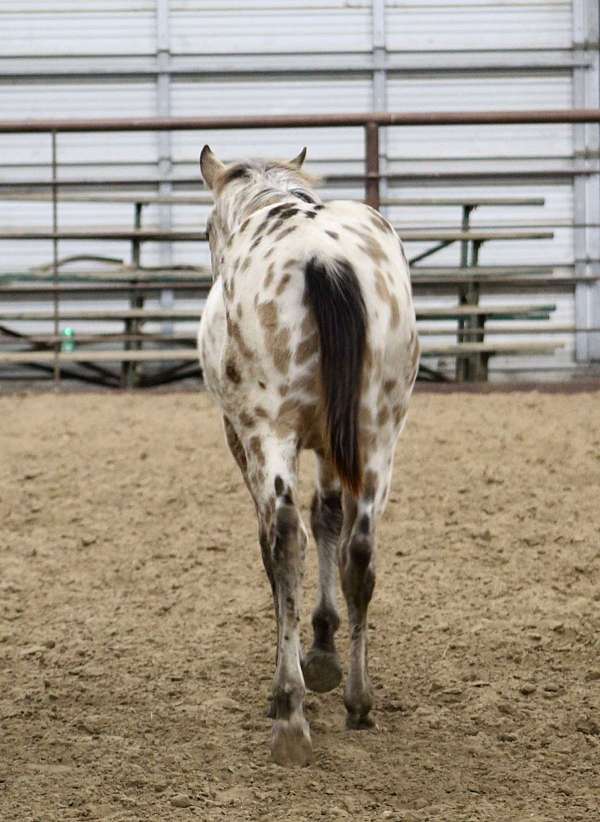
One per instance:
[(335, 298)]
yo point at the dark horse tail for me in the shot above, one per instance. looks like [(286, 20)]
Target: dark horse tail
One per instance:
[(335, 298)]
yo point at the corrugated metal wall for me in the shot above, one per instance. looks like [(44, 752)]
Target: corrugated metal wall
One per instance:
[(141, 57)]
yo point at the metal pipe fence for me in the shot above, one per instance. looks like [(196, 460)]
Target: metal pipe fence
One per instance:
[(371, 123)]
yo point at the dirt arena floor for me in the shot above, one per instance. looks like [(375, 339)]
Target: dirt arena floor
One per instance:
[(137, 639)]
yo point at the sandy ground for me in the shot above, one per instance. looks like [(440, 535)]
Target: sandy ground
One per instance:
[(137, 639)]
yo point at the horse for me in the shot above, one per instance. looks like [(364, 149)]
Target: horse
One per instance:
[(308, 341)]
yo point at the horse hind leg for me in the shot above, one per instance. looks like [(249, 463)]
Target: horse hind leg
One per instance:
[(357, 572), (321, 666), (269, 470), (290, 743)]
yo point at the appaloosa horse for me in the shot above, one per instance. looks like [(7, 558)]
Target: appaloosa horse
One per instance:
[(308, 340)]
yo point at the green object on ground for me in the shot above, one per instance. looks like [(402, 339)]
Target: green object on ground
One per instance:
[(68, 343)]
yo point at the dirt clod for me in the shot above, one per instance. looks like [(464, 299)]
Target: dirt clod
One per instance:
[(180, 800)]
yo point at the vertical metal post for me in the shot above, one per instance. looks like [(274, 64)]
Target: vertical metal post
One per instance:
[(378, 14), (55, 306), (135, 245), (165, 147), (478, 362), (129, 369), (586, 186), (372, 164), (462, 365)]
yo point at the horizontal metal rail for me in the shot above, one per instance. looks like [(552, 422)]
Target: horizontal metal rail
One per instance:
[(113, 67), (189, 338), (206, 199), (405, 178), (464, 349), (414, 118), (193, 235)]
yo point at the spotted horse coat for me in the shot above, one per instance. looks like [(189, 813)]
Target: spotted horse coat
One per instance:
[(308, 341)]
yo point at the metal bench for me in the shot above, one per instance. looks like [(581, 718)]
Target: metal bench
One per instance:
[(45, 350), (136, 283)]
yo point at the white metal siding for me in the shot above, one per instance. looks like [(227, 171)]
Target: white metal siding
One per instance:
[(277, 27), (276, 57), (470, 93), (58, 27), (289, 95), (443, 25)]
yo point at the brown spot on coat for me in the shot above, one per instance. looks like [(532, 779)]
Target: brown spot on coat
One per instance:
[(246, 420), (307, 348), (277, 224), (399, 413), (232, 373), (285, 233), (298, 416), (333, 234), (395, 309), (255, 448), (282, 284), (374, 250), (236, 333), (269, 276), (308, 325), (383, 415), (280, 350), (381, 287), (307, 383), (289, 212), (379, 222), (267, 315)]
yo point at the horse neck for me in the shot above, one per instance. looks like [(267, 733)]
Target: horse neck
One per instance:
[(242, 205)]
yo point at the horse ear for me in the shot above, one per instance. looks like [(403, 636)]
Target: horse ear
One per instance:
[(210, 166), (299, 160)]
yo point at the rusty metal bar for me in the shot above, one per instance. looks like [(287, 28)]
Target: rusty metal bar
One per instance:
[(372, 164), (419, 118)]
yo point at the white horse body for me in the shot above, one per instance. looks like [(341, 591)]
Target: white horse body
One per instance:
[(308, 340)]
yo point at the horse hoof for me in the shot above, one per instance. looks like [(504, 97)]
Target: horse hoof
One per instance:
[(322, 670), (358, 722), (290, 743)]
